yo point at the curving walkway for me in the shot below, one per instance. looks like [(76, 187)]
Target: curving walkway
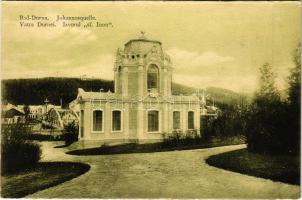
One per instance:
[(177, 174)]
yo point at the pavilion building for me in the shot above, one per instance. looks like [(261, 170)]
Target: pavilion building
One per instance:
[(142, 107)]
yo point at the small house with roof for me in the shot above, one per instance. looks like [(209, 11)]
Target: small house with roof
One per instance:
[(11, 114)]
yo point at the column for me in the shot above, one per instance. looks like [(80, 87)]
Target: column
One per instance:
[(140, 121), (116, 82), (184, 118), (107, 120), (170, 107), (197, 119), (126, 120), (165, 83), (125, 82), (165, 121), (170, 83), (81, 122), (140, 81), (87, 120)]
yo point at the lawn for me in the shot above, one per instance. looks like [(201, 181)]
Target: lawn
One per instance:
[(44, 175), (281, 168), (158, 147)]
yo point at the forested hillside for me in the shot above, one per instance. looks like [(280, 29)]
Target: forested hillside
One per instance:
[(34, 91)]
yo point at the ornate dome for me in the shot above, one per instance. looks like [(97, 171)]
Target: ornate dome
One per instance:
[(142, 46), (142, 51)]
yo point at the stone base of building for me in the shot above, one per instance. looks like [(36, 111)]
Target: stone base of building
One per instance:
[(85, 144)]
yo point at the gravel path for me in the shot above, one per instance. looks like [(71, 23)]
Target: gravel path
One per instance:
[(177, 174)]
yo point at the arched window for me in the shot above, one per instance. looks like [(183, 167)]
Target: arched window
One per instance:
[(152, 77), (119, 80)]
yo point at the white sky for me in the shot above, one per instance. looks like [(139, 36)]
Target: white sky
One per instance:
[(218, 44)]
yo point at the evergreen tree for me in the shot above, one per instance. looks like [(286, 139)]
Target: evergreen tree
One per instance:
[(268, 90), (294, 92), (266, 127), (294, 99), (26, 112)]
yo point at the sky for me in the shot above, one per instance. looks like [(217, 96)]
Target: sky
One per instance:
[(218, 44)]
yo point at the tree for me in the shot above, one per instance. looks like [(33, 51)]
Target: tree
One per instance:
[(266, 127), (17, 153), (294, 100), (26, 112), (294, 92), (268, 90), (70, 133)]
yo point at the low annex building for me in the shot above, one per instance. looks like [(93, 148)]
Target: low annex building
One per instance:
[(142, 108)]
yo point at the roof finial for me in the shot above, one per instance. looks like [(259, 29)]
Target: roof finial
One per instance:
[(143, 35)]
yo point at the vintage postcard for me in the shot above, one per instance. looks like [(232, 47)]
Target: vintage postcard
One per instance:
[(150, 99)]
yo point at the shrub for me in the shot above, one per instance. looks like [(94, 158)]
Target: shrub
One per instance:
[(206, 127), (24, 132), (70, 133), (191, 134), (47, 126), (267, 128), (173, 139), (16, 152), (41, 137), (230, 122), (191, 138), (178, 138)]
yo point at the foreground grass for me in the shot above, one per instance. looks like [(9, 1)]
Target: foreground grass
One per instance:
[(44, 175), (278, 168), (158, 147)]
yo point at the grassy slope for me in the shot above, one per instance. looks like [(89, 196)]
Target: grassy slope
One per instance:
[(278, 168), (43, 176)]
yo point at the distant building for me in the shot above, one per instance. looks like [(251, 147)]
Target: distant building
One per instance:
[(210, 111), (12, 114), (207, 110), (36, 112), (142, 107), (49, 107)]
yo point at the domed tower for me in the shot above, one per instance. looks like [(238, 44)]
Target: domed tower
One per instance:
[(142, 69)]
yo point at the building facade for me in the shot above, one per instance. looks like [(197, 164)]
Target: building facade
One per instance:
[(11, 114), (35, 111), (142, 108)]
